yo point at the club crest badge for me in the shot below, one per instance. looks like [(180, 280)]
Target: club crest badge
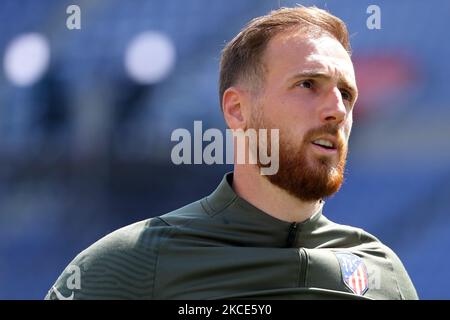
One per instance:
[(354, 272)]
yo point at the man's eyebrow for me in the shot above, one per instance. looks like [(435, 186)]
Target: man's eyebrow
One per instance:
[(315, 74)]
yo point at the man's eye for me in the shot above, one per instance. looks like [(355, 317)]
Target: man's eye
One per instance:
[(346, 95), (307, 84)]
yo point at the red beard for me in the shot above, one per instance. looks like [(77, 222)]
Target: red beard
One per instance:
[(305, 175)]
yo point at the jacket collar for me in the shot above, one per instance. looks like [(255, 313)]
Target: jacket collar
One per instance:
[(260, 227)]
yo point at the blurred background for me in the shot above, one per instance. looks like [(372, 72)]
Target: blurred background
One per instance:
[(86, 117)]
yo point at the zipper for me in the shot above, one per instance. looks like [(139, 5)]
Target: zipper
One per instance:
[(303, 267), (294, 229), (292, 234)]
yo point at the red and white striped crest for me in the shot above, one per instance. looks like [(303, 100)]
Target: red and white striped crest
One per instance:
[(354, 272)]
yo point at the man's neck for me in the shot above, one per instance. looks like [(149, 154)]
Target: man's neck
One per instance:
[(250, 185)]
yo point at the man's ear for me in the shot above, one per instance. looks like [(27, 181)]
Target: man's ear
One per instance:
[(233, 104)]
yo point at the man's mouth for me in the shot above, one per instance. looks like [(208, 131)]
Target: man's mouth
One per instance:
[(323, 145)]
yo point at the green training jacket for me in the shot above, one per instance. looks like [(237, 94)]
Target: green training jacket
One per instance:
[(222, 247)]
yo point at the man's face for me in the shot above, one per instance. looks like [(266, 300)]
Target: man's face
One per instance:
[(308, 93)]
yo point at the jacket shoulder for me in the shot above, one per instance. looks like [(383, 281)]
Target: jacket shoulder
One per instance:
[(119, 266), (394, 265), (185, 215), (387, 273)]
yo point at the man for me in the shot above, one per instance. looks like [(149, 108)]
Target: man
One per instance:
[(260, 236)]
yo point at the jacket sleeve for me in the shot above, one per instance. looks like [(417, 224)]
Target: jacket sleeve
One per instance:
[(405, 285)]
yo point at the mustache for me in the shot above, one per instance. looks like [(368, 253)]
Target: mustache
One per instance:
[(328, 129)]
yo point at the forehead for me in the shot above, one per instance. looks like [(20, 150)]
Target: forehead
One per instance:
[(293, 52)]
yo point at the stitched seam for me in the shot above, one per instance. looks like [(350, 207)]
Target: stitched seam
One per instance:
[(225, 206)]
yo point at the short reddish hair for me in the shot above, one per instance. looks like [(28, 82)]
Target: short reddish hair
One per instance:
[(242, 56)]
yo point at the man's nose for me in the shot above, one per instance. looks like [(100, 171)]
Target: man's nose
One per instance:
[(333, 110)]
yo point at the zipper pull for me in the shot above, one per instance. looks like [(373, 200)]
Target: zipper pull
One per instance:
[(292, 235)]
